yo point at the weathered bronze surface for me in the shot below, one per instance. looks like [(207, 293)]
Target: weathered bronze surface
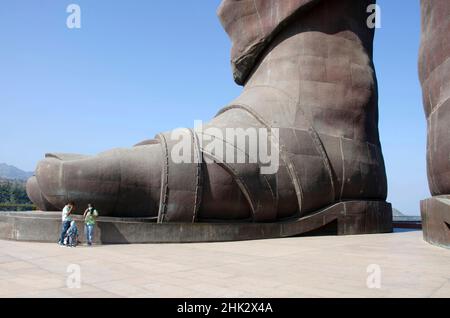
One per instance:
[(434, 70), (307, 72)]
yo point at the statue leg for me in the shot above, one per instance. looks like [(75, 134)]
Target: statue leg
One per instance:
[(309, 82), (434, 69)]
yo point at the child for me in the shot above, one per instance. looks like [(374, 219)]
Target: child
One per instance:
[(72, 235)]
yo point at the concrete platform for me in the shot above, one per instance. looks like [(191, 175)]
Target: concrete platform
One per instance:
[(345, 218), (332, 266), (436, 220)]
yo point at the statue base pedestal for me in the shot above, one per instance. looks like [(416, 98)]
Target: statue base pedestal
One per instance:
[(345, 218), (436, 220)]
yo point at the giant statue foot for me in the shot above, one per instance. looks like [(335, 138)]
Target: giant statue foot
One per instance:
[(305, 125), (435, 78)]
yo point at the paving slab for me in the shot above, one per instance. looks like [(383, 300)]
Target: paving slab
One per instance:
[(329, 266)]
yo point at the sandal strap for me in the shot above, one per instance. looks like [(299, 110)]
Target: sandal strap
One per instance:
[(181, 182), (258, 189), (303, 154)]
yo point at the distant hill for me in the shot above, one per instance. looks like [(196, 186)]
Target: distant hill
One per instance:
[(13, 173), (396, 213), (401, 218)]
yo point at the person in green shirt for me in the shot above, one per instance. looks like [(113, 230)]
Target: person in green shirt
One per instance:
[(90, 218)]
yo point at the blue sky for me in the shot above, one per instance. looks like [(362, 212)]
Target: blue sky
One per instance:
[(138, 67)]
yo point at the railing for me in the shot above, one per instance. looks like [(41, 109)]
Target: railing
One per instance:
[(408, 222), (16, 207)]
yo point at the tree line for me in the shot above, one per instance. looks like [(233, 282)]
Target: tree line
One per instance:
[(13, 195)]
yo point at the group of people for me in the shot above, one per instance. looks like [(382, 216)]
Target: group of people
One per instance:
[(69, 229)]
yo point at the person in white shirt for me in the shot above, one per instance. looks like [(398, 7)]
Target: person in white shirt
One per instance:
[(66, 219)]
